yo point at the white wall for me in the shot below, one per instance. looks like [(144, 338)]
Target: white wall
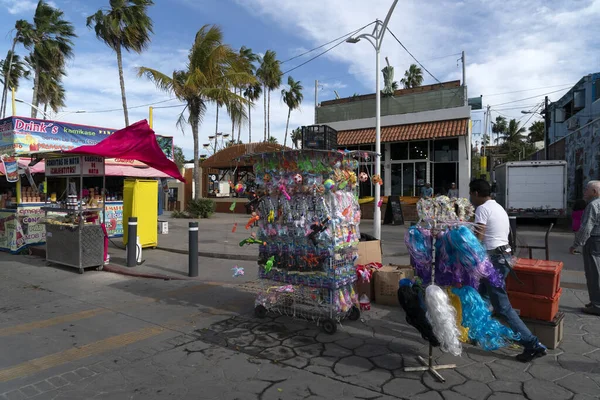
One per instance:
[(464, 164), (404, 119)]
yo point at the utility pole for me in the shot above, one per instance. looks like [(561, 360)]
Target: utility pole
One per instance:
[(316, 98), (464, 77), (546, 128)]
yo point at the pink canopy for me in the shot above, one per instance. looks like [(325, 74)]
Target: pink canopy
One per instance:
[(135, 142)]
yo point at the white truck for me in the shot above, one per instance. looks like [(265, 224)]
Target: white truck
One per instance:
[(532, 189)]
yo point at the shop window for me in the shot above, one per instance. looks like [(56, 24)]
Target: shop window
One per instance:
[(399, 151), (419, 150), (445, 150), (397, 180), (408, 183)]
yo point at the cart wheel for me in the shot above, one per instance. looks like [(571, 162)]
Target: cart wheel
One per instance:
[(329, 326), (80, 271), (354, 314), (260, 311)]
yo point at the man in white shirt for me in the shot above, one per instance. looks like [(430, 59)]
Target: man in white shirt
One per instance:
[(492, 228)]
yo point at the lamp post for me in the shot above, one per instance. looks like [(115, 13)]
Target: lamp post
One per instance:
[(376, 39)]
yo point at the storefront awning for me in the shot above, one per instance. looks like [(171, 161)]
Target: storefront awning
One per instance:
[(400, 133)]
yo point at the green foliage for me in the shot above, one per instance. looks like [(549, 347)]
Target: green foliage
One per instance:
[(178, 156), (536, 132), (413, 77), (201, 208), (178, 214)]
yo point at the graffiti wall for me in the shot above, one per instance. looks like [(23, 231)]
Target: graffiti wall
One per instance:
[(582, 152)]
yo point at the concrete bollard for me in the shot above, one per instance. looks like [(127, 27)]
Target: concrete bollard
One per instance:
[(132, 242), (193, 250)]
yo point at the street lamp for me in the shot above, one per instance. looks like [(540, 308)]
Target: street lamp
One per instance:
[(376, 39)]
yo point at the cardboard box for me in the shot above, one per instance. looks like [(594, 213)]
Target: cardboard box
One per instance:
[(386, 283), (369, 251)]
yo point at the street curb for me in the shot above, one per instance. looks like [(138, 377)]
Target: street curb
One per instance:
[(225, 256), (116, 269)]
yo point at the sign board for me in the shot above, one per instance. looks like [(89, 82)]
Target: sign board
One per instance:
[(93, 166), (20, 135), (393, 211), (75, 166)]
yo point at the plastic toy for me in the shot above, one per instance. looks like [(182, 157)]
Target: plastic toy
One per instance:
[(376, 180), (252, 220), (237, 271), (239, 188), (363, 177), (252, 240), (298, 179)]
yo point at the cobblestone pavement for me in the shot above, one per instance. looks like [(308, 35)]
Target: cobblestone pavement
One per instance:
[(104, 336)]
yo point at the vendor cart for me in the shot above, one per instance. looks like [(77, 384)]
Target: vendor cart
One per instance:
[(74, 236)]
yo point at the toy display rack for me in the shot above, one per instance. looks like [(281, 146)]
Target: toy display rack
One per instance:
[(308, 229)]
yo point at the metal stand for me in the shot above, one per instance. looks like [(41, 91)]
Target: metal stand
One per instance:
[(428, 364)]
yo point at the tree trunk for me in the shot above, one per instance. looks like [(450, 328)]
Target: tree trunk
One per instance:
[(216, 129), (122, 82), (196, 173), (269, 116), (249, 123), (265, 109), (6, 80), (287, 124), (36, 85)]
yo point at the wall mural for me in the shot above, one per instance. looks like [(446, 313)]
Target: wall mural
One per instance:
[(582, 152)]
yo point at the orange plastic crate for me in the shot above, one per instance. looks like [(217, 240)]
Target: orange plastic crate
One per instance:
[(539, 277), (535, 307)]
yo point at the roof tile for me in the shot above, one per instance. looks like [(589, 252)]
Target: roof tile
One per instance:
[(399, 133)]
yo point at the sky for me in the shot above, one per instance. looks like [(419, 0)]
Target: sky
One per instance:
[(516, 52)]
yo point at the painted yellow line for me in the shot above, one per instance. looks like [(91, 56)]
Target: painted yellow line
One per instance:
[(13, 330), (30, 326), (53, 360)]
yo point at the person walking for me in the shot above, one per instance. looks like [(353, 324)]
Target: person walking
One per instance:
[(492, 228), (453, 191), (588, 236)]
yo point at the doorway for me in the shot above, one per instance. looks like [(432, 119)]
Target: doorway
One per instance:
[(444, 174)]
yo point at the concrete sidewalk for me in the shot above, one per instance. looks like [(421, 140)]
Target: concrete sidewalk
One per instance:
[(216, 241), (98, 335)]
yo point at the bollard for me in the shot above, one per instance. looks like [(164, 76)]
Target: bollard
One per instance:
[(132, 242), (513, 233), (193, 250)]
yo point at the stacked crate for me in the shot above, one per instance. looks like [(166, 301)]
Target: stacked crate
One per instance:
[(537, 297)]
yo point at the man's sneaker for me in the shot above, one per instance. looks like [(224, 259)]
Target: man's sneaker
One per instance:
[(530, 354)]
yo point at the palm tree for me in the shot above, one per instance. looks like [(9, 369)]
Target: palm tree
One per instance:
[(272, 139), (292, 98), (413, 77), (13, 69), (269, 74), (296, 136), (49, 40), (22, 32), (499, 127), (252, 93), (126, 25), (247, 59), (209, 75), (51, 93), (537, 132), (514, 132)]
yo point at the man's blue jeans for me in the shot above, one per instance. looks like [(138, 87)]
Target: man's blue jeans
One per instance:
[(499, 299)]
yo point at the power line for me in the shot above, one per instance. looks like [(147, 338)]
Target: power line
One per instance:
[(528, 98), (121, 109), (325, 44), (414, 58), (527, 90), (324, 52)]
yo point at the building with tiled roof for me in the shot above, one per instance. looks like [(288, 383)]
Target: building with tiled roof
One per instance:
[(425, 136)]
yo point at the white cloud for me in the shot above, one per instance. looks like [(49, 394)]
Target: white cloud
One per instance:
[(510, 45), (19, 6)]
